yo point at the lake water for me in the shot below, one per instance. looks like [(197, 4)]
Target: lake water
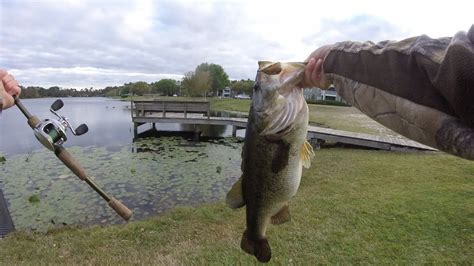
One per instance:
[(150, 174), (109, 123)]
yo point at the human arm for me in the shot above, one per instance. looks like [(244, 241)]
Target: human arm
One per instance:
[(420, 87), (8, 88)]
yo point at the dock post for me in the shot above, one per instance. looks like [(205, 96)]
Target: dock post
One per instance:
[(196, 133), (135, 130), (234, 131)]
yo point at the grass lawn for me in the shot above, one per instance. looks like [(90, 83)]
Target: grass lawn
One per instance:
[(353, 206), (346, 118), (336, 117)]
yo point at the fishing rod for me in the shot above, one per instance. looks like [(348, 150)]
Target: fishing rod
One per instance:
[(52, 134)]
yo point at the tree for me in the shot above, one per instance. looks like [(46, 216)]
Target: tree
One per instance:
[(110, 91), (30, 92), (136, 88), (243, 86), (219, 78), (165, 87), (196, 83), (126, 88)]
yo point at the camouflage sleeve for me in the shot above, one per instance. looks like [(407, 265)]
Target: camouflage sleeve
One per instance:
[(420, 87)]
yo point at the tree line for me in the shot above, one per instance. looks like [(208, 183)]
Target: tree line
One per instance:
[(207, 79)]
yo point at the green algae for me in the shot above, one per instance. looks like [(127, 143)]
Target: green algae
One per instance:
[(150, 176)]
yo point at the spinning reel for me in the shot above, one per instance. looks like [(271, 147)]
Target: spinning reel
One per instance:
[(52, 133)]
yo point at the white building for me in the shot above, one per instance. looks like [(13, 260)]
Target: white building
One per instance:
[(316, 94), (226, 92)]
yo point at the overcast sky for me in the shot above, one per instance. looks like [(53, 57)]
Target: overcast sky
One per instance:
[(72, 43)]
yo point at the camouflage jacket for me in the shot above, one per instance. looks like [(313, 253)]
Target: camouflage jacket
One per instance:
[(420, 87)]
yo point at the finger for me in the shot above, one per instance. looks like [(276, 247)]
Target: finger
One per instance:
[(307, 73), (319, 68), (7, 78), (12, 87), (315, 75), (9, 82)]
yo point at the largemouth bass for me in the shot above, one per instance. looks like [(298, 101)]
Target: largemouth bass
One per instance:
[(274, 153)]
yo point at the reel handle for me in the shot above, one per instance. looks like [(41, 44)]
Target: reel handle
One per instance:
[(58, 104)]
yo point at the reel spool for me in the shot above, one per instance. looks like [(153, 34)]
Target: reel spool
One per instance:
[(52, 133)]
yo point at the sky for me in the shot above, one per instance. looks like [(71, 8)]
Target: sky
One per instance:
[(99, 43)]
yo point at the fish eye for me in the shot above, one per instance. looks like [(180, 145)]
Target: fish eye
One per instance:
[(256, 86)]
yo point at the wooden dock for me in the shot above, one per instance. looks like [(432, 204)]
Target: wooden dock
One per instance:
[(158, 112)]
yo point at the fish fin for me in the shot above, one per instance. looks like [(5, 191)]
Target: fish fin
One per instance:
[(282, 216), (270, 68), (292, 74), (307, 154), (259, 248), (234, 198)]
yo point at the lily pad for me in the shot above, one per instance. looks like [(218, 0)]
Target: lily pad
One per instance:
[(171, 171), (34, 199)]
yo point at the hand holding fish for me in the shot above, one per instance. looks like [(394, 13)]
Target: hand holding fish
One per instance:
[(8, 88), (314, 72)]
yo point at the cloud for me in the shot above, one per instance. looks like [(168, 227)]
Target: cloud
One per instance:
[(100, 43), (357, 28), (49, 41)]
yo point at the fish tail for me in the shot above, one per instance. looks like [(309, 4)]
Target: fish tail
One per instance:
[(259, 248)]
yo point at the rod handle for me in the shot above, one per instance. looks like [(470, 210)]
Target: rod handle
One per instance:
[(120, 208), (70, 162), (33, 121)]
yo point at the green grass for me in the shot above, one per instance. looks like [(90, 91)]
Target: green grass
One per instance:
[(234, 105), (353, 207), (336, 117), (345, 118)]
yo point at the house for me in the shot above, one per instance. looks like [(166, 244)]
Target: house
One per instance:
[(330, 95), (316, 94), (226, 92)]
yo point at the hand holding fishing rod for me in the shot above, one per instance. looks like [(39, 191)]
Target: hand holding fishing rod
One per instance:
[(52, 134)]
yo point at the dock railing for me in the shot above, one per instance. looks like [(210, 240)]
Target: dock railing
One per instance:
[(141, 108)]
